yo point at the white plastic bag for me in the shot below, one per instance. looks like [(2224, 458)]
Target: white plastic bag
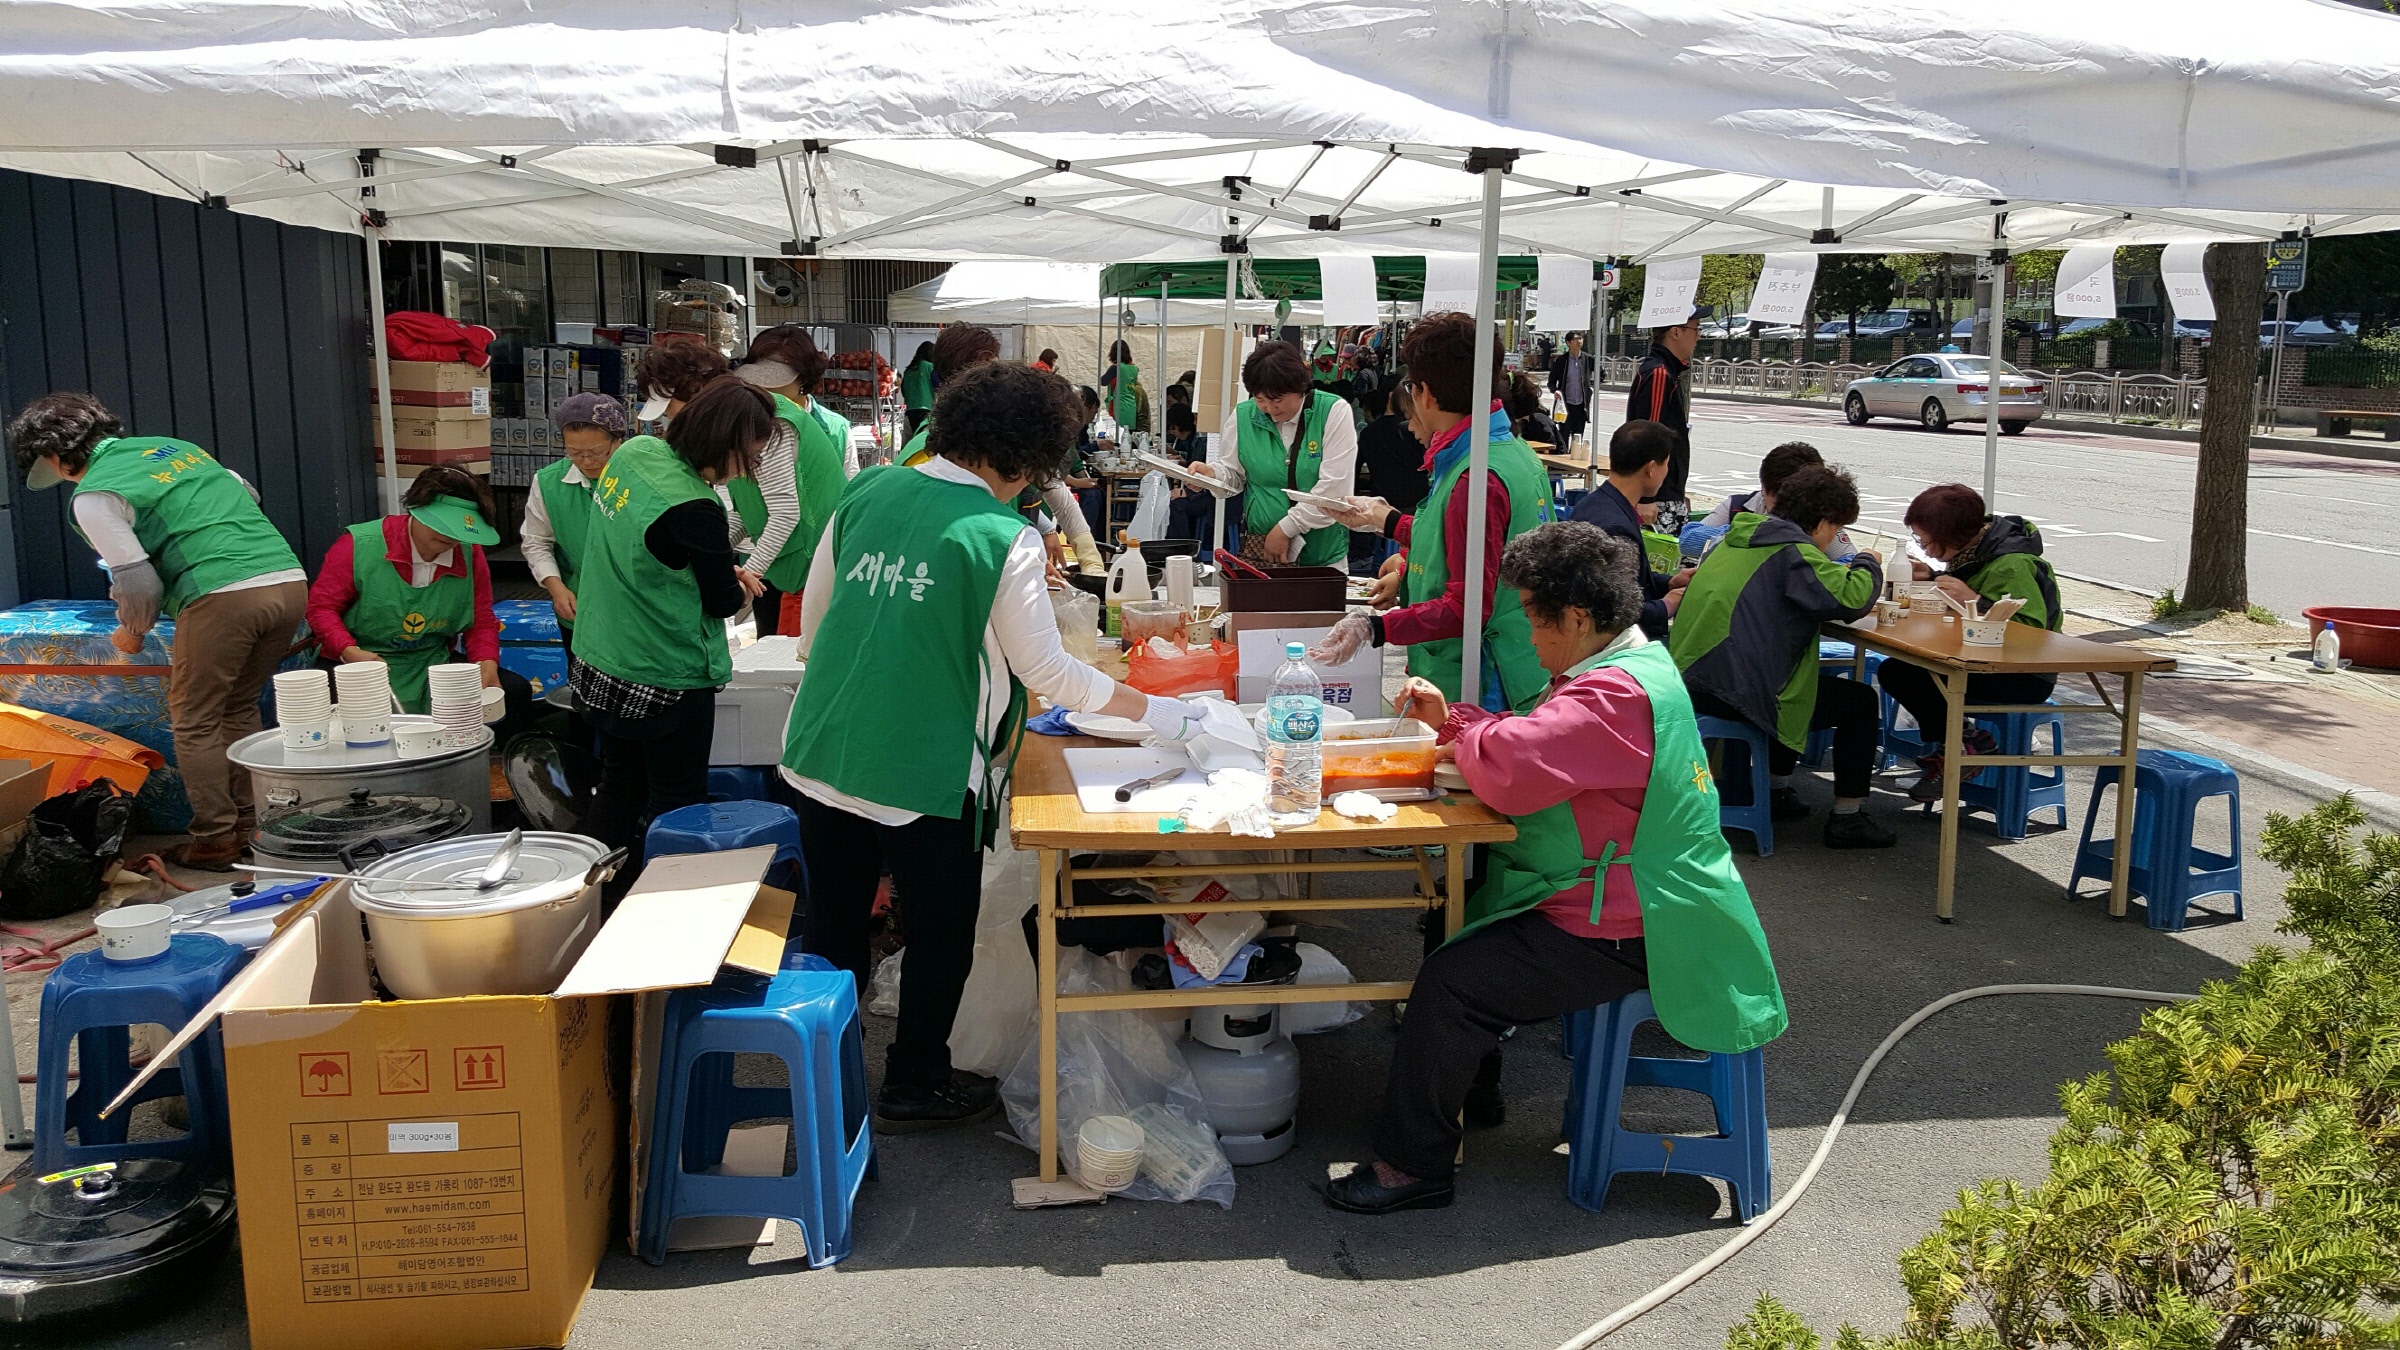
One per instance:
[(1122, 1064), (1150, 509), (884, 1000), (996, 1012), (1319, 966)]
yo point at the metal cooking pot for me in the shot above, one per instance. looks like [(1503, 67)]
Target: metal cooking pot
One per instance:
[(314, 834), (284, 778), (438, 936)]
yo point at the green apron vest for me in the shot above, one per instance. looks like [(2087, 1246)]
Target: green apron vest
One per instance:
[(1124, 404), (569, 506), (916, 385), (1711, 976), (917, 562), (636, 618), (410, 627), (817, 480), (1270, 466), (1507, 635), (197, 522)]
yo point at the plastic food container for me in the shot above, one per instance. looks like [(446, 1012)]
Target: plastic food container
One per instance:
[(1138, 621), (1383, 752)]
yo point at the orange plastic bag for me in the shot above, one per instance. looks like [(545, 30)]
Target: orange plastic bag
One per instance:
[(1196, 670), (76, 752)]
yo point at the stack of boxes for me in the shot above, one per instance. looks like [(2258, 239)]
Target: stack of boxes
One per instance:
[(521, 446), (441, 414)]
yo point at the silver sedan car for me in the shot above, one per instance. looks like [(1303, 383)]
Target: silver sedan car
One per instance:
[(1939, 388)]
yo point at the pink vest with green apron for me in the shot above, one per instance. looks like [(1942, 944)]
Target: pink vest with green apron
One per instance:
[(410, 627)]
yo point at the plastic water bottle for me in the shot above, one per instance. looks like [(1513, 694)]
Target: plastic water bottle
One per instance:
[(1295, 723)]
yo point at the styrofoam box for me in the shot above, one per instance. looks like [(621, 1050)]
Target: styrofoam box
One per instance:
[(750, 724)]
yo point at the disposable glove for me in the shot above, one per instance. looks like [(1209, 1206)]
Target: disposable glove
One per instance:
[(1174, 720), (1342, 641)]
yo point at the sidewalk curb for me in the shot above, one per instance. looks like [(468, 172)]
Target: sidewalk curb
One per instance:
[(2382, 808)]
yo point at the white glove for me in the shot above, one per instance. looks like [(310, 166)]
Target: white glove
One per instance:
[(1174, 720), (1341, 643)]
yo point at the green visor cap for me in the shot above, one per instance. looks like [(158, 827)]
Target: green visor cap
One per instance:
[(456, 518)]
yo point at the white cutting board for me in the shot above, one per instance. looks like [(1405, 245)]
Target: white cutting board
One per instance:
[(1098, 773)]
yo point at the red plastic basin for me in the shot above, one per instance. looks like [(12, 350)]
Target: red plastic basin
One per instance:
[(2370, 637)]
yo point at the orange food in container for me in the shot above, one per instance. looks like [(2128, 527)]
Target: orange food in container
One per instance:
[(1387, 752)]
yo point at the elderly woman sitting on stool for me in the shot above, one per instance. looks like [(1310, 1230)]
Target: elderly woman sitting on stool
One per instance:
[(1618, 879)]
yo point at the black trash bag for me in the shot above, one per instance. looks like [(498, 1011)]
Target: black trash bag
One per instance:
[(69, 842)]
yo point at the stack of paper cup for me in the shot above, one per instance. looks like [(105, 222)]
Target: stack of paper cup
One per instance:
[(365, 688), (304, 708), (457, 700), (1109, 1150)]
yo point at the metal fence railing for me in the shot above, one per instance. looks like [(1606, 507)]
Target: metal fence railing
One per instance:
[(2129, 397), (2352, 368)]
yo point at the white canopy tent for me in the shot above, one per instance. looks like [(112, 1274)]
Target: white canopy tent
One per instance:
[(1053, 293), (966, 130)]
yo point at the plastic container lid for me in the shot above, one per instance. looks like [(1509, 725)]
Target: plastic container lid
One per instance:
[(114, 1219)]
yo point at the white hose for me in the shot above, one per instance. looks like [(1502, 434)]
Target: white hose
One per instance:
[(1699, 1270)]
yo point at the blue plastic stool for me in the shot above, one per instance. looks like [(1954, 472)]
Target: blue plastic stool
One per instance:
[(1758, 816), (2014, 792), (806, 1016), (1598, 1145), (737, 783), (92, 1003), (715, 827), (2166, 870)]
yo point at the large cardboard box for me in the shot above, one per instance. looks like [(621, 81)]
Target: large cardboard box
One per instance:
[(1356, 684), (440, 1173), (441, 385), (432, 435), (23, 786)]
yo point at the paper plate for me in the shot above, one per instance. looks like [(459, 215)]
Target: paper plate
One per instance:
[(1108, 728)]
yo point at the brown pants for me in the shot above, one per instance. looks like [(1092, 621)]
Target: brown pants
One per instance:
[(226, 645)]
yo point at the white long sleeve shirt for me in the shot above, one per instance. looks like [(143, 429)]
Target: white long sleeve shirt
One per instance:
[(1020, 637), (1337, 471)]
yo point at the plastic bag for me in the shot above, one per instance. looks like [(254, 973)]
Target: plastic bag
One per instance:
[(1150, 509), (70, 842), (996, 1012), (1319, 966), (884, 1000), (1195, 670), (1123, 1064)]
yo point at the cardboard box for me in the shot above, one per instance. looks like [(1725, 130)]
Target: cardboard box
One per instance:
[(23, 786), (439, 1173), (1356, 684), (440, 384), (408, 470), (427, 434), (1236, 624)]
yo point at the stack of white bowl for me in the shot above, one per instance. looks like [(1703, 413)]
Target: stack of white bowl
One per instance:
[(365, 688), (1109, 1151), (304, 709), (457, 701)]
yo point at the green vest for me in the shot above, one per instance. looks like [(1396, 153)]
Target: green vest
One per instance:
[(569, 507), (916, 385), (917, 562), (410, 627), (1711, 976), (1124, 404), (1507, 635), (1270, 466), (197, 522), (817, 479), (636, 618)]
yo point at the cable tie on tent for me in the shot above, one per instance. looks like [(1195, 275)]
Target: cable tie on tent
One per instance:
[(735, 156), (1324, 222), (1232, 243), (374, 218)]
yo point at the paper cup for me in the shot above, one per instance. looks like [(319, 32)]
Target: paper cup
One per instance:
[(314, 735), (1984, 632), (1889, 611), (495, 703), (134, 932), (416, 737), (1109, 1149), (366, 722)]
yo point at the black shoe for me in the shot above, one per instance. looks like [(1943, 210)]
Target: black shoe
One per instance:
[(910, 1110), (1857, 830), (1361, 1193), (1485, 1110), (1785, 804)]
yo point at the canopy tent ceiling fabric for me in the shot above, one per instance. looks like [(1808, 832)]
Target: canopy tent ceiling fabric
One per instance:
[(965, 130), (1060, 293)]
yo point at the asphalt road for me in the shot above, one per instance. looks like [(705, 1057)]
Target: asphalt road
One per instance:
[(2112, 508)]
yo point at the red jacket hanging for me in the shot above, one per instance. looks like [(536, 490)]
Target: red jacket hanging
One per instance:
[(415, 335)]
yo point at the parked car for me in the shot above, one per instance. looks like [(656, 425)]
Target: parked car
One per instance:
[(1891, 323), (2319, 332), (2113, 328), (1939, 388)]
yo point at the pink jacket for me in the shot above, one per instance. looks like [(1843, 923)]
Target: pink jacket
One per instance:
[(1588, 744)]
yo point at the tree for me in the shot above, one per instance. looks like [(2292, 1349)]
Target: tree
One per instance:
[(1727, 280), (2352, 274), (2219, 571), (1851, 284)]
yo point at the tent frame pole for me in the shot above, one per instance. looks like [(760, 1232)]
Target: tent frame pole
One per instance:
[(1225, 376), (373, 239), (1492, 164), (1995, 333)]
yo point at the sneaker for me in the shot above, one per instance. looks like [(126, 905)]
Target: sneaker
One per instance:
[(1857, 829), (910, 1110), (1929, 787), (1784, 804)]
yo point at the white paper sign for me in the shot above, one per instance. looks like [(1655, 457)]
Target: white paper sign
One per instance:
[(1562, 297), (1449, 282), (2180, 271), (1349, 282), (2087, 283), (1784, 285), (421, 1137), (1667, 291)]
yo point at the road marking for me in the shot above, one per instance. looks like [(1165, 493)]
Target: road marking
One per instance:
[(2329, 543), (2321, 497)]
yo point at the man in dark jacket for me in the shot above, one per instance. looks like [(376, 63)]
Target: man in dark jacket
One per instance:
[(1571, 380), (1662, 393), (1745, 637), (1638, 455)]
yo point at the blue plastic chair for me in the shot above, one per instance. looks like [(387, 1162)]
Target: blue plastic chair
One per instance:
[(92, 1003), (806, 1016), (714, 827), (2166, 869), (1758, 815), (2014, 792), (1599, 1147), (738, 783)]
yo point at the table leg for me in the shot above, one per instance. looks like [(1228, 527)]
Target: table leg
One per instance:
[(1454, 906), (1954, 695), (2129, 741), (1047, 922)]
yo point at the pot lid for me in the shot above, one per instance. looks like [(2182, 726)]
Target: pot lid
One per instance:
[(552, 780), (318, 831), (549, 866), (87, 1221), (266, 750)]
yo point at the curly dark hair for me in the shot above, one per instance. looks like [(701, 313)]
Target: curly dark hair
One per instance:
[(1440, 356), (724, 426), (790, 344), (444, 480), (1273, 369), (1816, 494), (959, 347), (1783, 461), (65, 425), (1014, 420), (1573, 565), (677, 364)]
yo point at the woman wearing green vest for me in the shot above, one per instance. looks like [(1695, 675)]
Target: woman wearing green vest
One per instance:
[(1066, 530), (1428, 576), (925, 624), (650, 648), (180, 534), (784, 506), (916, 387), (1619, 878), (1287, 434), (1128, 402), (558, 511), (407, 588)]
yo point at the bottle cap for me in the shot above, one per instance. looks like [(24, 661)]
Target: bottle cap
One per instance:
[(1293, 651)]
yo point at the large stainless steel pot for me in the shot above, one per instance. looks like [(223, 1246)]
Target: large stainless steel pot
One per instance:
[(283, 779), (438, 936), (314, 834)]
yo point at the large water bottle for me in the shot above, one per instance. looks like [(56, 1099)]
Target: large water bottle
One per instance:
[(1295, 725)]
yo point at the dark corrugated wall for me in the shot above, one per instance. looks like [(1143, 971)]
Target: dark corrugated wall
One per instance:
[(247, 337)]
